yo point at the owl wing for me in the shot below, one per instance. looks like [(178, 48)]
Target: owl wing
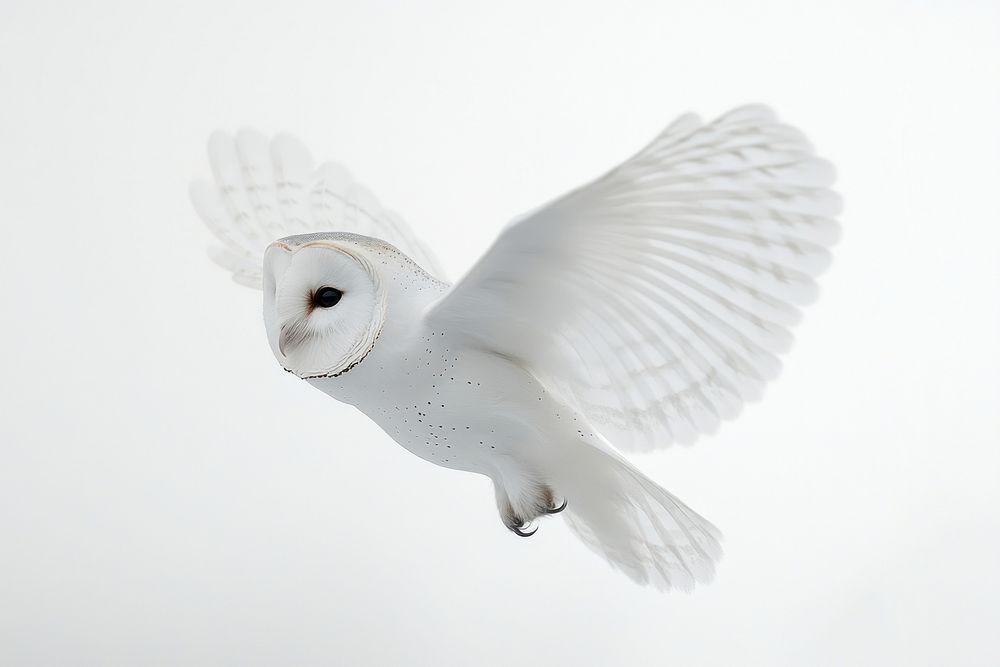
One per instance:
[(264, 192), (657, 298)]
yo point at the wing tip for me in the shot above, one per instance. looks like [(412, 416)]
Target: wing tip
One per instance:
[(218, 140), (754, 111)]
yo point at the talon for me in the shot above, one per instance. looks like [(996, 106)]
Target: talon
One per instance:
[(556, 510), (517, 531)]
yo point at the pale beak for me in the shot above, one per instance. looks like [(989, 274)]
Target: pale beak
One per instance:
[(291, 335), (284, 339)]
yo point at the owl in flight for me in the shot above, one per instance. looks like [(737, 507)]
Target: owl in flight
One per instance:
[(639, 310)]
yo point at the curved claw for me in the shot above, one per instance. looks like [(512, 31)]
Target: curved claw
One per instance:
[(556, 510), (517, 531)]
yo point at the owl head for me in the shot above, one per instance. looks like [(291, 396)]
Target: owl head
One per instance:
[(324, 303)]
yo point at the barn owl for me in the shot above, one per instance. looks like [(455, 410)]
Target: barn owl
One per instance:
[(636, 311)]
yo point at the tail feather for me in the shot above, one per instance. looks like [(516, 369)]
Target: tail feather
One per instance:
[(637, 526)]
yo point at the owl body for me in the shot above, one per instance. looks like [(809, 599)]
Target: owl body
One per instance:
[(450, 403), (639, 310), (440, 401)]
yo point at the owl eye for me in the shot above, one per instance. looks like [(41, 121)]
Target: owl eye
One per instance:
[(327, 297)]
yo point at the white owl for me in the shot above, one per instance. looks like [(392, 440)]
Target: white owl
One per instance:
[(638, 310)]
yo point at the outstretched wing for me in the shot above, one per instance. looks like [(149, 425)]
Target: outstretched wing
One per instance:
[(657, 298), (264, 192)]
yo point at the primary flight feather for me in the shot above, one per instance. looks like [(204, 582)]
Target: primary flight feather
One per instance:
[(638, 310)]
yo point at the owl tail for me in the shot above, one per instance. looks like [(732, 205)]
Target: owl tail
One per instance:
[(632, 522)]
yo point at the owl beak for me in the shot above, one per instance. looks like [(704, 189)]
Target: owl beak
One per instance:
[(285, 340), (291, 335)]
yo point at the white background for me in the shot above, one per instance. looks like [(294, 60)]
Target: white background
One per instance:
[(169, 496)]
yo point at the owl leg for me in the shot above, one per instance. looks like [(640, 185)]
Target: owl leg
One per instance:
[(509, 517), (517, 516)]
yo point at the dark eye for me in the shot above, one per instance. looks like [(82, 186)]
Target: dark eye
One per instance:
[(327, 297)]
